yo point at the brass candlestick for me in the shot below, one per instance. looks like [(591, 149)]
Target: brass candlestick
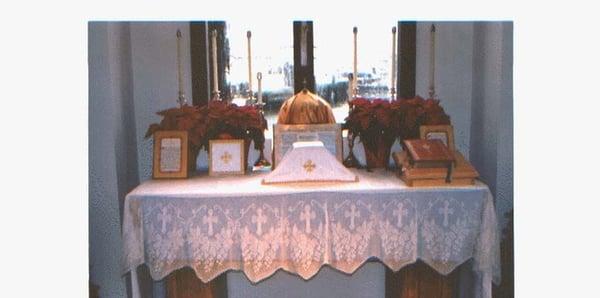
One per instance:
[(351, 161), (261, 162)]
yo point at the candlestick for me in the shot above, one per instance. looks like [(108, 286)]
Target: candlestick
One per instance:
[(259, 79), (355, 74), (213, 36), (393, 75), (249, 34), (181, 97), (432, 63)]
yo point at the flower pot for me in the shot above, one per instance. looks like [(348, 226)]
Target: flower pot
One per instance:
[(247, 141), (378, 156)]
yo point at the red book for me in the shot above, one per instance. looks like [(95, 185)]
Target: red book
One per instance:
[(430, 154), (428, 151)]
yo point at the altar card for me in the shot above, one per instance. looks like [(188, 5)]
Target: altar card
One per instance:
[(170, 154), (226, 157), (284, 136)]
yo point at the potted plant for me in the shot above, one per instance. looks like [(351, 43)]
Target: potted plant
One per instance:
[(222, 120), (373, 122), (216, 120), (379, 122), (411, 113)]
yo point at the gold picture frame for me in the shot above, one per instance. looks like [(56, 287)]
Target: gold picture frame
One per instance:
[(170, 154), (230, 157), (443, 132), (284, 135)]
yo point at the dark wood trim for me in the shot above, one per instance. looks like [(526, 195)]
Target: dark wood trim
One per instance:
[(199, 60), (304, 76), (419, 280), (184, 283), (202, 62), (407, 61)]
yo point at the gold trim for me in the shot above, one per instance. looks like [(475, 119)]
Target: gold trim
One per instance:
[(242, 170)]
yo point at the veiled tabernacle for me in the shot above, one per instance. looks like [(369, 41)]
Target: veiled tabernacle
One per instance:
[(305, 107), (309, 162)]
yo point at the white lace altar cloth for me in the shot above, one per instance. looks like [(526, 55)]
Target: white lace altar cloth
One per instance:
[(215, 224), (309, 162)]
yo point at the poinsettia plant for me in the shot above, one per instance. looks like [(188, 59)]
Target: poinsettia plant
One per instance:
[(240, 122), (211, 121), (379, 122), (411, 113), (185, 118), (371, 121)]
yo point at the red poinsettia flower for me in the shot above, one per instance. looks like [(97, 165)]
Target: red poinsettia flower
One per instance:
[(216, 118)]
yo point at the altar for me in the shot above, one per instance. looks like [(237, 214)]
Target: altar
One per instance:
[(214, 225)]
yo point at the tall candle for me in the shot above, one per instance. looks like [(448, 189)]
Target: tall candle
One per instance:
[(249, 34), (355, 74), (259, 79), (181, 98), (432, 63), (393, 75), (214, 61)]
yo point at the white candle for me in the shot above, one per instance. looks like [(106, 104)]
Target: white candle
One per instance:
[(249, 34), (259, 79), (432, 63), (355, 74), (179, 70), (393, 75), (214, 61)]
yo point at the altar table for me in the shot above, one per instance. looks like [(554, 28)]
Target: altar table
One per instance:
[(215, 224)]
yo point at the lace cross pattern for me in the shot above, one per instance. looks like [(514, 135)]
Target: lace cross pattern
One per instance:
[(301, 231)]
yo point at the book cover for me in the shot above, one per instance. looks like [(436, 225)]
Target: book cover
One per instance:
[(427, 151)]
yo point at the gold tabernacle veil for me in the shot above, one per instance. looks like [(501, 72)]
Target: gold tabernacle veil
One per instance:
[(305, 107)]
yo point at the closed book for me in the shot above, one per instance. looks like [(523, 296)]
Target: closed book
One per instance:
[(424, 153), (429, 152)]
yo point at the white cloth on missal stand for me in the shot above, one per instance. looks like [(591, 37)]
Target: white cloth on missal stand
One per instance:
[(309, 162)]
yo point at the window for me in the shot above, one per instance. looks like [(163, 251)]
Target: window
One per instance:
[(272, 55), (334, 49)]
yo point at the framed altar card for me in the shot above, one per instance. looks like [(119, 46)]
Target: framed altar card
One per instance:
[(444, 133), (285, 135), (226, 157), (170, 154)]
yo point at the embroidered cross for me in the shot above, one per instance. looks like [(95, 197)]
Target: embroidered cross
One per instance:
[(445, 211), (164, 218), (210, 219), (226, 157), (309, 166), (400, 212), (353, 213), (259, 219), (307, 215)]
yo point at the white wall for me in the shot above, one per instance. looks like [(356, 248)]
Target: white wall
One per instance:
[(453, 73), (492, 123), (154, 69), (106, 45)]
